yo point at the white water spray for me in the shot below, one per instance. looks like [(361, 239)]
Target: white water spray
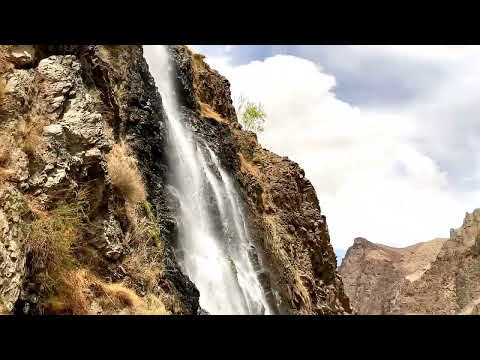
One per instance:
[(214, 254)]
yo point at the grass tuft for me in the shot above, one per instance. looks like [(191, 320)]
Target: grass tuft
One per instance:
[(145, 263), (82, 289), (208, 112), (50, 240), (6, 148), (124, 174), (6, 151), (30, 134)]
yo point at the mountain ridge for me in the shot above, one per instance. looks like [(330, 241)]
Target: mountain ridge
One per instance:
[(434, 277)]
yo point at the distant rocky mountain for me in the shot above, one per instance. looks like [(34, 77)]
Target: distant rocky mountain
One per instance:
[(441, 276)]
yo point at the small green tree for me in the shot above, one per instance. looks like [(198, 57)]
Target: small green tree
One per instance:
[(251, 115)]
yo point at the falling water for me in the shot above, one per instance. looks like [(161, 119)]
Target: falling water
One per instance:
[(214, 248)]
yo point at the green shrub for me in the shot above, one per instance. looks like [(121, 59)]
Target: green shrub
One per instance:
[(251, 115)]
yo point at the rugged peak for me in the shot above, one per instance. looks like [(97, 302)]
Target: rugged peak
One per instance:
[(440, 276), (467, 234), (360, 241), (374, 274)]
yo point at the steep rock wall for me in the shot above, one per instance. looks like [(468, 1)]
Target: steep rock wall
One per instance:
[(283, 210), (374, 274)]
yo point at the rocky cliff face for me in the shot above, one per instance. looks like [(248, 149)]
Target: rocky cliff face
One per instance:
[(77, 237), (436, 277)]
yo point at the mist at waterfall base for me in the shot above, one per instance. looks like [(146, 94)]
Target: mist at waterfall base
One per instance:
[(214, 248)]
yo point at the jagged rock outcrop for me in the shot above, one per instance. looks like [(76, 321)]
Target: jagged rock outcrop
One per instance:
[(436, 277), (374, 274), (63, 109)]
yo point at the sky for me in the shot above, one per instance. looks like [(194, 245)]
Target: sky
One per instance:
[(388, 135)]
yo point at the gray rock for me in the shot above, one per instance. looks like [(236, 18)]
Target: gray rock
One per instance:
[(22, 55), (56, 179), (112, 239), (12, 256), (54, 130)]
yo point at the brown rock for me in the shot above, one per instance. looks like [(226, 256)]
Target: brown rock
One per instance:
[(441, 276)]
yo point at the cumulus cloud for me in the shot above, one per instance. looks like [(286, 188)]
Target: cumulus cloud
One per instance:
[(375, 169)]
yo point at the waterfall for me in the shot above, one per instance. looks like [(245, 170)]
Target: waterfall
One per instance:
[(214, 248)]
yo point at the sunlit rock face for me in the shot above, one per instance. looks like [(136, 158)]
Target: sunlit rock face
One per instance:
[(440, 276)]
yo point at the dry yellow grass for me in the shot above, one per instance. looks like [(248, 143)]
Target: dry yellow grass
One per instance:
[(3, 85), (198, 61), (30, 134), (4, 67), (71, 296), (124, 174), (145, 263), (118, 298), (144, 224), (3, 309), (6, 151), (207, 111), (82, 289), (152, 305), (248, 167), (50, 240)]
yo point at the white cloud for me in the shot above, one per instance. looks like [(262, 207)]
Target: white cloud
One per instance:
[(372, 177)]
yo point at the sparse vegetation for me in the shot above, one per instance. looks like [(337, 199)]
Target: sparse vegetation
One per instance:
[(70, 298), (124, 174), (198, 61), (145, 262), (6, 150), (2, 93), (70, 288), (2, 88), (5, 66), (207, 111), (248, 167), (146, 226), (113, 53), (50, 241), (251, 115), (30, 134), (3, 309), (83, 289)]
